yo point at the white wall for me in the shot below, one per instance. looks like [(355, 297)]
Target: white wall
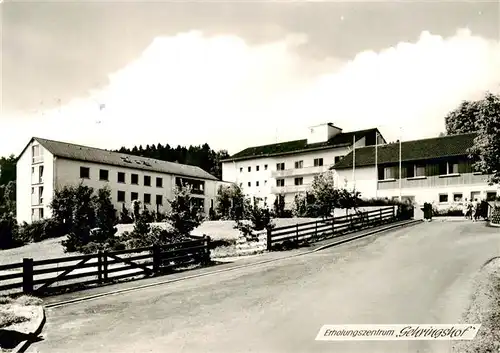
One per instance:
[(68, 173), (27, 179)]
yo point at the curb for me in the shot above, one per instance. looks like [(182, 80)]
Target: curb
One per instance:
[(126, 290), (23, 346)]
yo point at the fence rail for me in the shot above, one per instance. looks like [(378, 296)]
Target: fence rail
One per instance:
[(43, 277), (332, 227)]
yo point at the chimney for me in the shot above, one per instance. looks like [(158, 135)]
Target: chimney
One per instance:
[(322, 133)]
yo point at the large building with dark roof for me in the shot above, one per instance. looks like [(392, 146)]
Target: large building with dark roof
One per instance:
[(46, 165), (287, 168), (436, 170)]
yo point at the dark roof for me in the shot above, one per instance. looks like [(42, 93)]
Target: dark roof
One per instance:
[(432, 148), (96, 155), (340, 140)]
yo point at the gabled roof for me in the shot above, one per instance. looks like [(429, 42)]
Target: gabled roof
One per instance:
[(340, 140), (100, 156), (431, 148)]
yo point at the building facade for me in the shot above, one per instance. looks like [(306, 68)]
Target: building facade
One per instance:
[(436, 170), (45, 166), (288, 168)]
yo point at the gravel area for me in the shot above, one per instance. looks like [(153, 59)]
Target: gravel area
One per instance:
[(484, 309)]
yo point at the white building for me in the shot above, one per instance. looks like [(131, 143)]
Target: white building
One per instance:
[(435, 170), (45, 165), (288, 168)]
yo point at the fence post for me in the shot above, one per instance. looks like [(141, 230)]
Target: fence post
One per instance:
[(27, 276), (105, 265), (333, 226), (269, 239), (297, 232), (381, 218), (206, 259), (316, 229), (99, 266), (156, 259), (394, 213)]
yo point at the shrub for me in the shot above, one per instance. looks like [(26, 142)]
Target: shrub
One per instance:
[(260, 219), (9, 232), (125, 217), (495, 217), (37, 231), (184, 216)]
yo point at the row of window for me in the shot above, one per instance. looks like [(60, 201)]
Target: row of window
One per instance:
[(120, 177), (279, 182), (318, 162), (459, 197), (135, 196), (416, 170)]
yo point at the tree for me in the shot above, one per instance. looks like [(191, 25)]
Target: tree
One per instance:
[(325, 194), (279, 206), (105, 214), (7, 169), (184, 216), (463, 119), (224, 201), (483, 118), (348, 199), (125, 217)]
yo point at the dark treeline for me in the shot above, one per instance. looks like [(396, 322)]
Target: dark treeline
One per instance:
[(200, 156)]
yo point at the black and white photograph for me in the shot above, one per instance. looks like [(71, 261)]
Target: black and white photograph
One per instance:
[(232, 176)]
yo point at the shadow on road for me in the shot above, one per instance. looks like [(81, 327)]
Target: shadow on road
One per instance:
[(9, 339)]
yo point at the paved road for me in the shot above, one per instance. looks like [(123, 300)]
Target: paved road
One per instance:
[(417, 275)]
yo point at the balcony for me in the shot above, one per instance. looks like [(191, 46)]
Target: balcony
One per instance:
[(434, 181), (289, 189), (277, 174)]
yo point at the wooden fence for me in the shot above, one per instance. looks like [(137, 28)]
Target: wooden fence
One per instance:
[(331, 227), (44, 277)]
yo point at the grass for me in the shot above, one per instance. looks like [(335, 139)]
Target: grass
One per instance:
[(8, 314)]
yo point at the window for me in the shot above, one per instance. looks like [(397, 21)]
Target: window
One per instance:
[(40, 212), (419, 170), (257, 168), (458, 197), (159, 182), (337, 159), (280, 166), (40, 195), (249, 184), (443, 198), (147, 198), (491, 196), (121, 196), (265, 166), (134, 179), (103, 174), (32, 191), (241, 185), (32, 170), (299, 181), (389, 173), (280, 182), (134, 196), (446, 168), (249, 169), (159, 200), (299, 164), (265, 182), (40, 174), (318, 162), (265, 200), (241, 170), (36, 154), (84, 173), (256, 183), (147, 180), (121, 177), (212, 203)]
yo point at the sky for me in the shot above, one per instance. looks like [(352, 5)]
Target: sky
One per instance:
[(241, 73)]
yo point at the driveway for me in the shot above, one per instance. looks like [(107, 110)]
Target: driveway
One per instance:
[(415, 275)]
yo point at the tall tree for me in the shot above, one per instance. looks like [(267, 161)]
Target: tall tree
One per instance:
[(482, 117)]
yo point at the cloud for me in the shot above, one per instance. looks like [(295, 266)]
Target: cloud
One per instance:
[(190, 89)]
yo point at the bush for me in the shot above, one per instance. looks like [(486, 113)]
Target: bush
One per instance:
[(495, 217), (37, 231), (9, 232), (260, 219), (125, 217)]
